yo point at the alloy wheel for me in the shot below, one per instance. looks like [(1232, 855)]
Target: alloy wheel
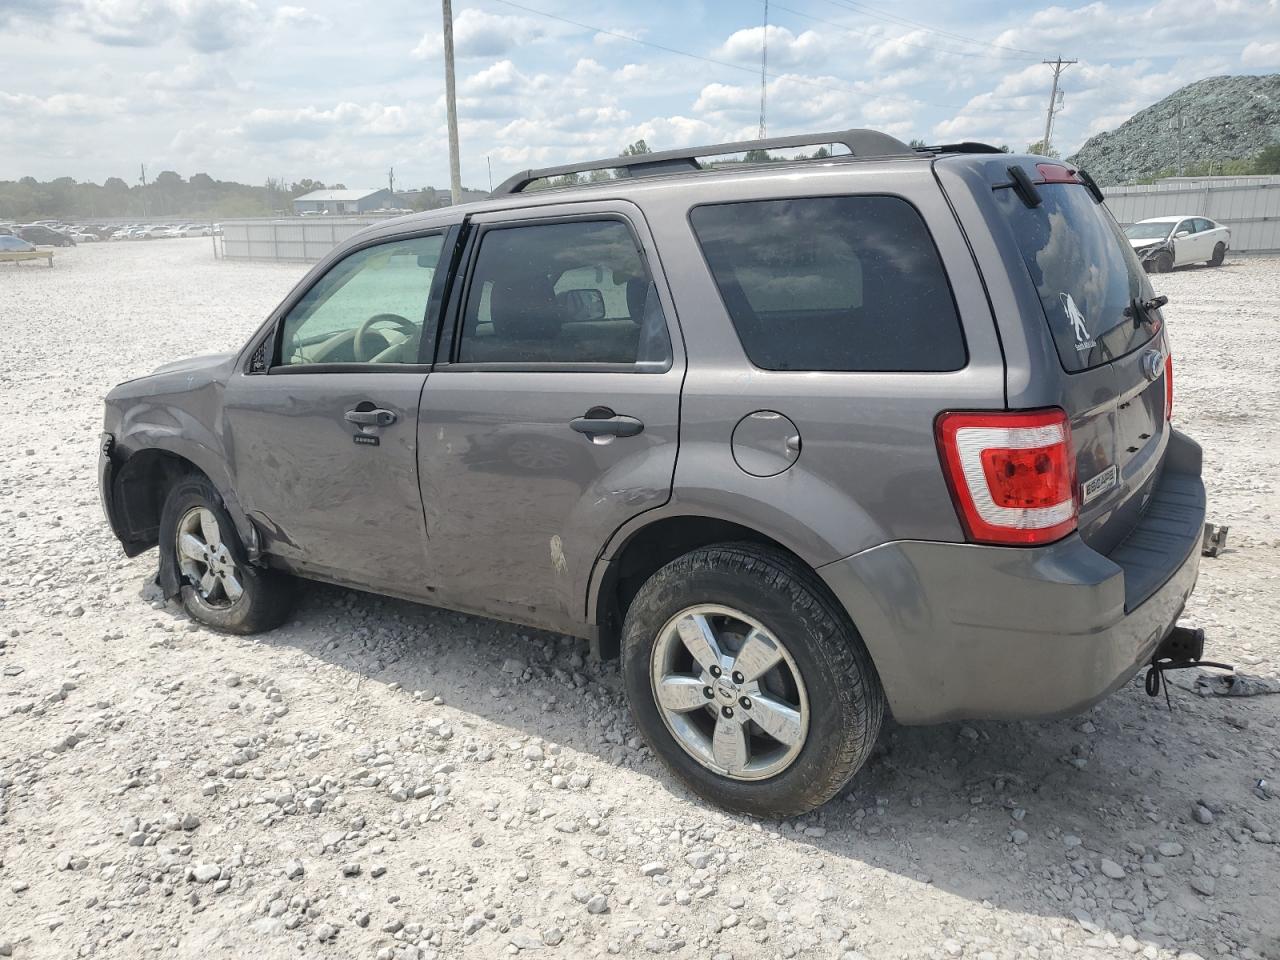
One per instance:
[(729, 692), (204, 559)]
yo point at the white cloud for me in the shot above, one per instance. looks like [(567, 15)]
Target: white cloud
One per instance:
[(205, 25), (480, 34), (292, 18), (60, 106), (345, 119), (786, 49), (1259, 54)]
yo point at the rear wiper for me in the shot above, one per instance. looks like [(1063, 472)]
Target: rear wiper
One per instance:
[(1140, 310)]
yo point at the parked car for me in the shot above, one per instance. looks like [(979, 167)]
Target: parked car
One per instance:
[(1163, 243), (192, 230), (11, 244), (84, 236), (35, 233), (801, 442)]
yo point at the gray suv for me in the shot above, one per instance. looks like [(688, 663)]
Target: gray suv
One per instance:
[(802, 442)]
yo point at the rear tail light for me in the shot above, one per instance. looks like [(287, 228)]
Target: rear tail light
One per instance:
[(1168, 386), (1012, 474)]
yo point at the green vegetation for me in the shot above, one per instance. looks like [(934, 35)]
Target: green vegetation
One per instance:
[(167, 195)]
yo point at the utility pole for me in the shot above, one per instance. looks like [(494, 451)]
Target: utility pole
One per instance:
[(451, 103), (489, 164), (1178, 124), (764, 64), (391, 181), (1058, 66)]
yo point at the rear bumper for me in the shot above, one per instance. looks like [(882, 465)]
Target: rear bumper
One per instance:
[(967, 631)]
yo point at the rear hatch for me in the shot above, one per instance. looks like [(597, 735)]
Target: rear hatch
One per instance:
[(1109, 341)]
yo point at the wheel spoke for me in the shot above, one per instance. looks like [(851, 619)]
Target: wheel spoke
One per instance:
[(209, 527), (779, 720), (729, 745), (191, 547), (207, 582), (695, 630), (759, 655), (231, 586), (681, 694)]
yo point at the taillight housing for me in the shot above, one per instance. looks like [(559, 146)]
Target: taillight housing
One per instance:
[(1168, 386), (1012, 474)]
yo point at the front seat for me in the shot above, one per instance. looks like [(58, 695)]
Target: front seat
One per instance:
[(526, 320)]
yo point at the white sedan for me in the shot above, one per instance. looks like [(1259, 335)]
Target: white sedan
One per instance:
[(1163, 243)]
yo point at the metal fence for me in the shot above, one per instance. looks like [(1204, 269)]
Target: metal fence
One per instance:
[(1250, 206), (296, 239)]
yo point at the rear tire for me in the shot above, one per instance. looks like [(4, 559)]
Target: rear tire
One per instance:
[(219, 586), (820, 666), (1219, 254)]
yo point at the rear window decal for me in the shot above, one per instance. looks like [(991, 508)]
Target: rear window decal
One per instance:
[(1084, 342)]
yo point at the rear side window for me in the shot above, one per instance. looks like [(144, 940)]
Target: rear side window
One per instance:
[(832, 283), (567, 293), (1085, 271)]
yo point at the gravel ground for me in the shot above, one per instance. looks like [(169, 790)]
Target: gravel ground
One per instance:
[(379, 779)]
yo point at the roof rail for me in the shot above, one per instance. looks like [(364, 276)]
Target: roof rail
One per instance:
[(860, 143)]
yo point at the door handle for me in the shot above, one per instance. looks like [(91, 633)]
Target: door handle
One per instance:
[(603, 422), (373, 418)]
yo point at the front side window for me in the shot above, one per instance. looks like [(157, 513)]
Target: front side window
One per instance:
[(574, 292), (369, 308), (832, 283)]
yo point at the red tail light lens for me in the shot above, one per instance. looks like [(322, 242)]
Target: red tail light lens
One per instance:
[(1012, 475), (1168, 386)]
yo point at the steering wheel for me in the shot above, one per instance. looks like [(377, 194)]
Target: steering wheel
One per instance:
[(358, 344)]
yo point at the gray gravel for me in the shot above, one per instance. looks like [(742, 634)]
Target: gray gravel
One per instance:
[(379, 779)]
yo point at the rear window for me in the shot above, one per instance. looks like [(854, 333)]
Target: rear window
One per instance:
[(1085, 271), (832, 283)]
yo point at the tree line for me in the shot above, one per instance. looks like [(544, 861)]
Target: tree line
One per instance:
[(168, 195)]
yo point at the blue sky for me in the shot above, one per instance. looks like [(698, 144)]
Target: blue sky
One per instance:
[(246, 89)]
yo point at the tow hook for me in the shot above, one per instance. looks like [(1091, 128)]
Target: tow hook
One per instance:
[(1215, 540), (1180, 650)]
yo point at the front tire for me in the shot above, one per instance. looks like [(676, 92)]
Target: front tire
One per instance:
[(219, 586), (1219, 254), (1163, 263), (749, 681)]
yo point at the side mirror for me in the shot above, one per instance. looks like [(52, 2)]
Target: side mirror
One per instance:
[(582, 305), (1181, 233)]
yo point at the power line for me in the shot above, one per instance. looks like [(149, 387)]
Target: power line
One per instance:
[(908, 43), (721, 63), (903, 21)]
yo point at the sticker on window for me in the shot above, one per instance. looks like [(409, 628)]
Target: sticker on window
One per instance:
[(1076, 318)]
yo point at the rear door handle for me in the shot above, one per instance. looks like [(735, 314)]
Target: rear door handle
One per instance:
[(376, 417), (603, 422)]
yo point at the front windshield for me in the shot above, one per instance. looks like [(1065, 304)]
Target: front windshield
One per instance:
[(1148, 231)]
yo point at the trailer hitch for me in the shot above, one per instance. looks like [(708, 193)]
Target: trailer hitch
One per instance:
[(1180, 650)]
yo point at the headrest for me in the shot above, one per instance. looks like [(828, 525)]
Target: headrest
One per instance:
[(637, 294), (525, 308)]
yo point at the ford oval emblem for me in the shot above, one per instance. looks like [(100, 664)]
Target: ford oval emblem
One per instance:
[(1152, 365)]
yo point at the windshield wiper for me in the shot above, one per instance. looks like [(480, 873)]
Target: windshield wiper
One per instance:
[(1140, 310)]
